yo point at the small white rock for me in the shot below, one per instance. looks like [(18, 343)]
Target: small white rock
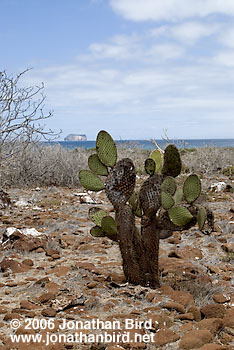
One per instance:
[(25, 231), (80, 194), (22, 203), (218, 186), (31, 232), (10, 231), (85, 198)]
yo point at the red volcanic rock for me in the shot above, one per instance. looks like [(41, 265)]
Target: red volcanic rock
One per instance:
[(213, 311), (25, 242), (165, 336), (214, 325), (13, 265), (195, 339)]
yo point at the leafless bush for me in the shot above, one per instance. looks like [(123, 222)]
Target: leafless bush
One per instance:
[(21, 112), (39, 165), (208, 160), (52, 164), (204, 160), (202, 292)]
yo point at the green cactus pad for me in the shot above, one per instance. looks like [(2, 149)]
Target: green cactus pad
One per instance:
[(169, 185), (133, 200), (179, 195), (156, 155), (192, 188), (167, 200), (90, 181), (180, 216), (138, 211), (109, 226), (135, 204), (96, 215), (96, 231), (96, 166), (201, 217), (172, 162), (106, 149), (150, 166)]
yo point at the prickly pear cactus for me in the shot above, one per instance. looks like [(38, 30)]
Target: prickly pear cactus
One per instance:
[(120, 182), (162, 206), (172, 162), (150, 166)]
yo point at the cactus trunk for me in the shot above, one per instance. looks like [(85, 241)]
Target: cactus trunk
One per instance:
[(139, 252), (127, 239), (150, 240)]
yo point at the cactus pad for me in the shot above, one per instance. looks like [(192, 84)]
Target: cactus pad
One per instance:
[(156, 155), (106, 149), (167, 200), (172, 162), (150, 166), (180, 216), (149, 195), (179, 195), (109, 226), (96, 215), (135, 204), (169, 185), (133, 200), (192, 188), (96, 165), (120, 182), (90, 181), (138, 211), (201, 217), (96, 231)]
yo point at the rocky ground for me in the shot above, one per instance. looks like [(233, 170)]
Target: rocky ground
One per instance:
[(53, 269)]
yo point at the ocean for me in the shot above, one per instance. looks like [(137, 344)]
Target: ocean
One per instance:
[(148, 145)]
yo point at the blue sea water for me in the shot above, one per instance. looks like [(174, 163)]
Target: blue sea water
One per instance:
[(148, 145)]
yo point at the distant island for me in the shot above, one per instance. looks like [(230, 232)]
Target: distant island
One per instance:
[(75, 137)]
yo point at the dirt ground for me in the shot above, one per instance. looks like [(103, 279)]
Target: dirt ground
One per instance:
[(58, 272)]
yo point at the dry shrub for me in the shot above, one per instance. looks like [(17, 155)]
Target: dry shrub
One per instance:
[(52, 164), (44, 165), (208, 160), (202, 291)]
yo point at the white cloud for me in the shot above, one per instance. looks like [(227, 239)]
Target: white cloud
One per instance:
[(165, 52), (171, 10), (187, 33), (139, 103), (119, 47), (109, 51), (160, 31), (133, 49), (225, 58), (112, 51), (136, 85), (190, 32), (227, 37)]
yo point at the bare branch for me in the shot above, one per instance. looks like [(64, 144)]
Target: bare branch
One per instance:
[(157, 145), (166, 138), (21, 111)]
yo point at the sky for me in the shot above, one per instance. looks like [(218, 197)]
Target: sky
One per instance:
[(131, 67)]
